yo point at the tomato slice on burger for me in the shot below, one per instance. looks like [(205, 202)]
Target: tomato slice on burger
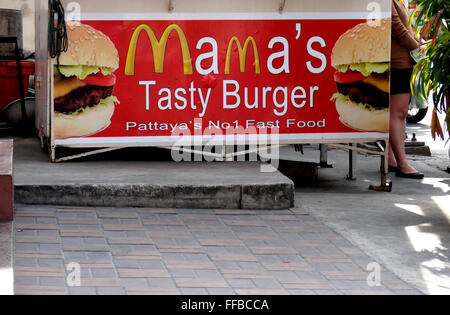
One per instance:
[(348, 77), (100, 80)]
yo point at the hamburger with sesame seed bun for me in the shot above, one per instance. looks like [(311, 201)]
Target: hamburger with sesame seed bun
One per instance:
[(361, 57), (84, 83)]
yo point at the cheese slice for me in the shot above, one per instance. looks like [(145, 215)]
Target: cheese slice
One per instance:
[(379, 82), (65, 86)]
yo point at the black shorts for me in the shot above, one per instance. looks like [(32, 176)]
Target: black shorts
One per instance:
[(401, 81)]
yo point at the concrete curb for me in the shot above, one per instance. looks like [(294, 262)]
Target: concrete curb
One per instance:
[(112, 182), (254, 196), (422, 150)]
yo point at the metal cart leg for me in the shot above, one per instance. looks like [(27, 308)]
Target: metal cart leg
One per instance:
[(351, 163), (324, 156), (386, 185)]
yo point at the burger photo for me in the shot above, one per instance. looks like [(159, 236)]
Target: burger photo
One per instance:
[(361, 57), (84, 83)]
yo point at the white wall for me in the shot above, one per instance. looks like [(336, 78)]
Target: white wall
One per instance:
[(27, 7)]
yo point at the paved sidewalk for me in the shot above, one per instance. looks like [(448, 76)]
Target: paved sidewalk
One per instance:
[(165, 251)]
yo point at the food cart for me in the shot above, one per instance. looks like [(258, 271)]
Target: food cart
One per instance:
[(196, 73)]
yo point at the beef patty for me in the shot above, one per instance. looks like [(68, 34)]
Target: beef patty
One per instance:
[(360, 92), (89, 95)]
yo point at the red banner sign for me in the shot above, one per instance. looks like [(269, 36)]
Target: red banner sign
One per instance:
[(200, 76)]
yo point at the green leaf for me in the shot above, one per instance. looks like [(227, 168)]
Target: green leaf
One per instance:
[(108, 100), (81, 72), (366, 68)]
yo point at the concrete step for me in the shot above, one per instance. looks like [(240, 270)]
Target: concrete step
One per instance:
[(6, 181), (418, 150), (156, 184)]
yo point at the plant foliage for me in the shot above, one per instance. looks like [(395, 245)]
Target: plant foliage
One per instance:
[(431, 75)]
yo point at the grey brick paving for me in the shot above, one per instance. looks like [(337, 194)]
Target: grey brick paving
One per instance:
[(194, 291), (301, 292), (82, 291), (219, 291), (241, 283), (25, 280), (187, 251), (110, 291)]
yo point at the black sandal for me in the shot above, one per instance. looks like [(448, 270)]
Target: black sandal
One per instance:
[(417, 175), (392, 169)]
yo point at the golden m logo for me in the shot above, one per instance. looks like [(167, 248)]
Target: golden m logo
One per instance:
[(159, 49), (242, 54)]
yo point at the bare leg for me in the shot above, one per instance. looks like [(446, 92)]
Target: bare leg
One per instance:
[(399, 111), (392, 160)]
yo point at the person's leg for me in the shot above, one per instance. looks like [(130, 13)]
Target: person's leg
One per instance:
[(398, 113), (392, 159)]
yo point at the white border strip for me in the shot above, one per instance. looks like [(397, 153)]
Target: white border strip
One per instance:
[(228, 16), (200, 139), (6, 280)]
